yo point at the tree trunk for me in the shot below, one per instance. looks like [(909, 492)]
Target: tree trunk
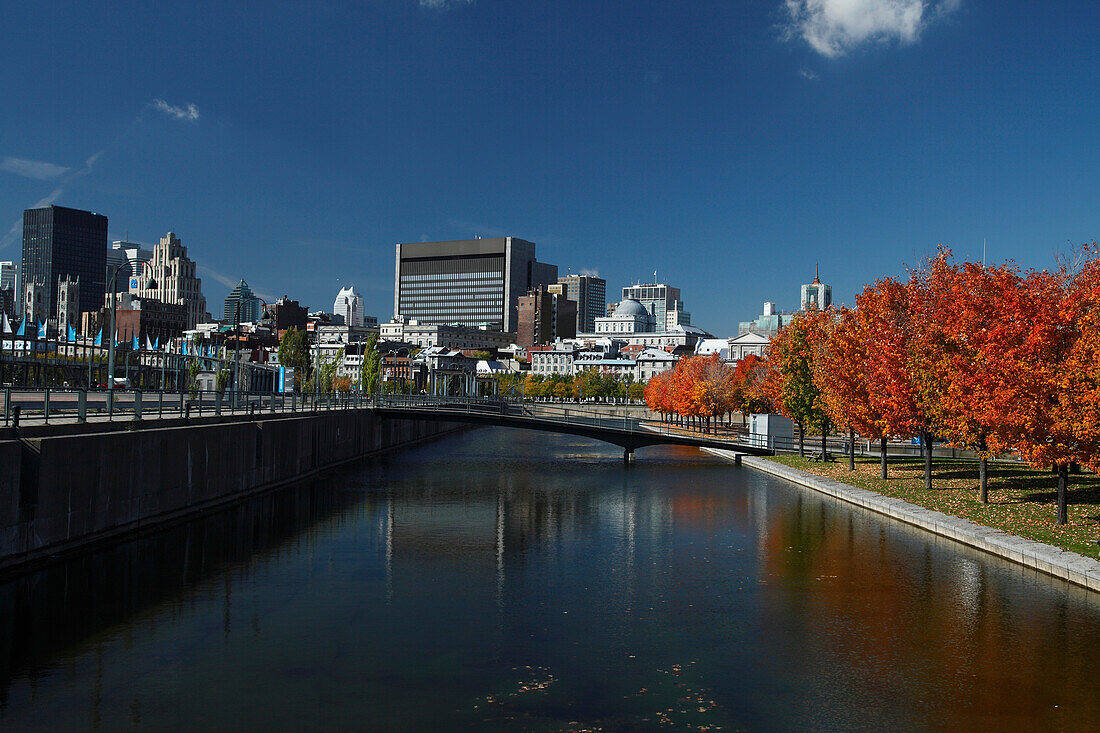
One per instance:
[(801, 441), (1063, 479), (851, 449), (926, 440), (983, 474), (823, 431), (882, 453)]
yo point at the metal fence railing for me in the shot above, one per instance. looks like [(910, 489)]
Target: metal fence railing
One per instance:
[(45, 406)]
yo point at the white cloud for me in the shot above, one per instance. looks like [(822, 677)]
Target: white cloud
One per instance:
[(189, 113), (835, 27), (589, 272), (808, 74), (33, 168), (443, 3), (53, 196)]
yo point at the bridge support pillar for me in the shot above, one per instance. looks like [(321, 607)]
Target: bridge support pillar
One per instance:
[(628, 456)]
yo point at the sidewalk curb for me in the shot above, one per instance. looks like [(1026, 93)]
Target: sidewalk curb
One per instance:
[(1070, 566)]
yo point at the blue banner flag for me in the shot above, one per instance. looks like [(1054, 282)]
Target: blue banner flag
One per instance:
[(99, 338), (185, 348), (156, 344), (72, 335), (41, 330), (136, 344), (22, 328)]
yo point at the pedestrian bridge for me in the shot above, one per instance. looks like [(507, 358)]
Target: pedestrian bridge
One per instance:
[(628, 432)]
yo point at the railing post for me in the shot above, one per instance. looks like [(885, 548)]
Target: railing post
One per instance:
[(7, 405), (82, 406), (217, 402), (46, 406)]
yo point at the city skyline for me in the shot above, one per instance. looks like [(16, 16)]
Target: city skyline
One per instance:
[(730, 148)]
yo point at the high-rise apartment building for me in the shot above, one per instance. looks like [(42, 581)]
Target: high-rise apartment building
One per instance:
[(59, 242), (544, 316), (469, 282), (662, 302), (590, 294), (349, 306), (174, 280), (821, 296), (250, 307)]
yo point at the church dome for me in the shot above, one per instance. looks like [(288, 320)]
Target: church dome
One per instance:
[(631, 307)]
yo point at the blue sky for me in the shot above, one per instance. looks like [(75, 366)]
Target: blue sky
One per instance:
[(729, 145)]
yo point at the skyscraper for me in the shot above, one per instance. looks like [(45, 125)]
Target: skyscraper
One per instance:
[(59, 242), (250, 309), (173, 274), (349, 305), (590, 294), (469, 282)]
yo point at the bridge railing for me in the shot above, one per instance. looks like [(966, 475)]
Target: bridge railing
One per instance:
[(30, 406)]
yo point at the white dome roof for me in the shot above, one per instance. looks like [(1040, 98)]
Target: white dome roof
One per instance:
[(630, 307)]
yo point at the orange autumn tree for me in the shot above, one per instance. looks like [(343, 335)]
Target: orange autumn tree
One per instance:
[(889, 334), (971, 379), (1059, 420), (748, 391), (841, 376), (657, 394), (713, 388)]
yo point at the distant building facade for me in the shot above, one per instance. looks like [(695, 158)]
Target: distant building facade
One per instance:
[(663, 303), (468, 282), (766, 324), (349, 306), (285, 313), (175, 280), (589, 293), (128, 258), (250, 308), (545, 316), (426, 335), (59, 242), (816, 294)]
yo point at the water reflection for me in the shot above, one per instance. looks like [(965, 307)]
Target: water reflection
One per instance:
[(518, 581)]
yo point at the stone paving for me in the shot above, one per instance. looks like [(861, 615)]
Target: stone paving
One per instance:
[(1070, 566)]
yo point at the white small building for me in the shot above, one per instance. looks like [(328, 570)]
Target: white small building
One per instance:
[(746, 344)]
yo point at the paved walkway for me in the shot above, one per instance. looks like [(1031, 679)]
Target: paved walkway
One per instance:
[(1077, 569)]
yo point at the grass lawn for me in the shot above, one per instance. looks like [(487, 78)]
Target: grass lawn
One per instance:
[(1021, 499)]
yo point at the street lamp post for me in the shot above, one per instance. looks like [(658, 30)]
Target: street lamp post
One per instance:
[(149, 284), (237, 347)]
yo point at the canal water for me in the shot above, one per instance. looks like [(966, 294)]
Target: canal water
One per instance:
[(502, 580)]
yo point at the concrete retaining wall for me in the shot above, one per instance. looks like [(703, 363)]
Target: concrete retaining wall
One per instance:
[(62, 492)]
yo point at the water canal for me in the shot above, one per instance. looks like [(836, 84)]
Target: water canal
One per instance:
[(520, 581)]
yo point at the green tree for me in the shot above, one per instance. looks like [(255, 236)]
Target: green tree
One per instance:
[(294, 352), (223, 380), (371, 376), (799, 397), (327, 371)]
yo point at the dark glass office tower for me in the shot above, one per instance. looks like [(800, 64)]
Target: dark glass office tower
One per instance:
[(61, 242)]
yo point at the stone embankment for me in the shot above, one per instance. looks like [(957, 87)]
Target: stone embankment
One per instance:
[(1045, 558), (62, 490)]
